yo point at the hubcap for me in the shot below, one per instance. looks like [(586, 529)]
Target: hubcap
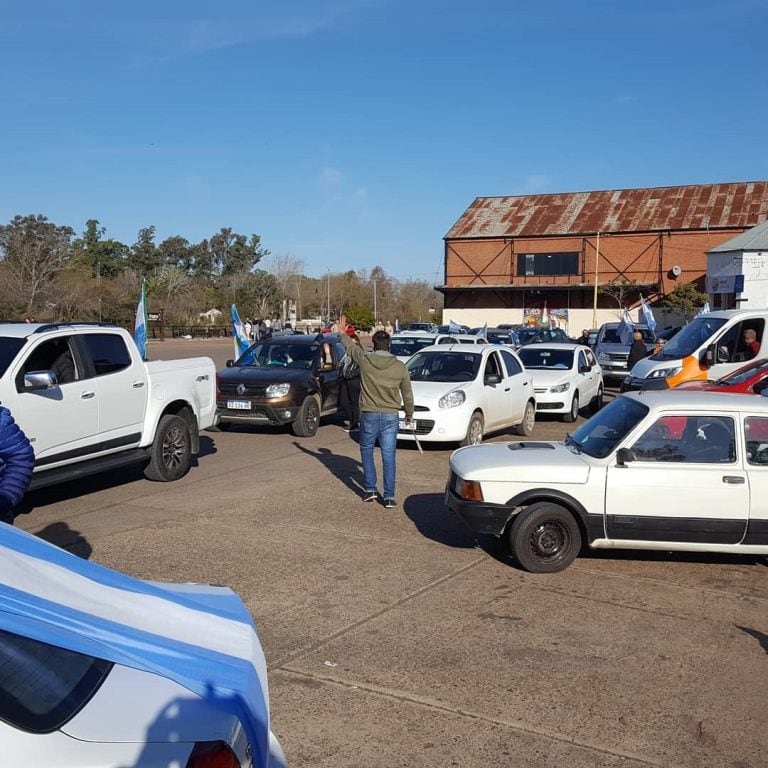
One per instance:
[(548, 540), (173, 447), (575, 408), (475, 432), (529, 418), (311, 419)]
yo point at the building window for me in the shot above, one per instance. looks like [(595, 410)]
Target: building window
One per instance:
[(539, 264)]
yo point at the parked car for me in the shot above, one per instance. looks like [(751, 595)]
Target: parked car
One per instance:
[(282, 380), (750, 379), (498, 335), (685, 471), (463, 392), (612, 352), (100, 670), (447, 329), (89, 403), (421, 327), (543, 336), (566, 378), (404, 345)]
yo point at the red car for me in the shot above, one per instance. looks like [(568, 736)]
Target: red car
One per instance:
[(750, 379)]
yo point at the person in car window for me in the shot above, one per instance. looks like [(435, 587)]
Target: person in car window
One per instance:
[(17, 460), (751, 344)]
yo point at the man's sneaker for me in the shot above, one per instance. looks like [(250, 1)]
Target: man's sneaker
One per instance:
[(370, 496), (390, 503), (348, 429)]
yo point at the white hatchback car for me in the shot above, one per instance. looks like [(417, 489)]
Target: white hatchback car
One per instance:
[(566, 378), (685, 471), (461, 392)]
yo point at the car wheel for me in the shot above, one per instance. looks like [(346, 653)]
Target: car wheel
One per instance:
[(545, 538), (171, 451), (474, 434), (573, 414), (525, 427), (597, 400), (308, 420)]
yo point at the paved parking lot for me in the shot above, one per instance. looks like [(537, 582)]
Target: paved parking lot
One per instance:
[(395, 638)]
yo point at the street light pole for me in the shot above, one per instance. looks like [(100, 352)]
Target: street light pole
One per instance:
[(375, 308)]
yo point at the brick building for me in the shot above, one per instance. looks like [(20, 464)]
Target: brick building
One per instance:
[(509, 258)]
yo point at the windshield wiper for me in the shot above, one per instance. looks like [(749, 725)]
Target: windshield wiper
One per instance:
[(575, 443)]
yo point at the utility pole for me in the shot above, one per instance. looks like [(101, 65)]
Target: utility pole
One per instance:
[(594, 297), (375, 307), (329, 297)]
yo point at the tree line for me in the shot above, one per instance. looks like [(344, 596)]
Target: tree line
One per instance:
[(50, 273)]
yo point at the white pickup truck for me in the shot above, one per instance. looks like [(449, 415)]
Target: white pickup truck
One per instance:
[(88, 403)]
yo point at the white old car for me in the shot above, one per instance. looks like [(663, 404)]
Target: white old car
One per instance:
[(566, 378), (668, 471), (464, 391)]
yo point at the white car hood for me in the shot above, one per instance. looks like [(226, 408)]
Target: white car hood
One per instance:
[(646, 365), (429, 392), (551, 378), (528, 461)]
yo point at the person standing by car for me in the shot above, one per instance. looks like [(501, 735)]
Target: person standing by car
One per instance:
[(349, 393), (637, 351), (17, 460), (385, 388)]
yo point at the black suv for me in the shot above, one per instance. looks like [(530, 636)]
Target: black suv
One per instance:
[(282, 380)]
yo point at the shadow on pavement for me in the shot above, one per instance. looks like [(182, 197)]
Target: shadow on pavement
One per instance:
[(759, 636), (67, 538), (343, 468), (433, 521)]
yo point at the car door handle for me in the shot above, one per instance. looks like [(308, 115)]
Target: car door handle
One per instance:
[(525, 383), (506, 389), (87, 395), (138, 384), (733, 480)]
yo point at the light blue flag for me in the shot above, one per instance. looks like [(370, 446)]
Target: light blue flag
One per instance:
[(646, 314), (238, 334), (140, 322), (625, 329), (453, 327), (704, 310), (397, 326), (485, 331)]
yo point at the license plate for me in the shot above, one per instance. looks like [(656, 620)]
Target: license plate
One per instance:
[(411, 425), (239, 405)]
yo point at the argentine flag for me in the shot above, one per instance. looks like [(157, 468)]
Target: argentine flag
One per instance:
[(238, 333), (646, 313), (625, 329), (453, 327), (704, 310), (140, 322)]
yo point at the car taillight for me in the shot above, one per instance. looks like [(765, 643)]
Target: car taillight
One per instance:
[(212, 754)]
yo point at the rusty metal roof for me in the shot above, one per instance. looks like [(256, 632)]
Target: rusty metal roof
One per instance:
[(695, 207)]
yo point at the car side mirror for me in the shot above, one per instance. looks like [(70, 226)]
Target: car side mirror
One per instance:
[(230, 363), (492, 379), (624, 456), (34, 381), (722, 354)]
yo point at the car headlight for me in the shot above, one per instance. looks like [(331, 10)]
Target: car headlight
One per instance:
[(561, 387), (278, 390), (603, 356), (452, 399), (664, 373)]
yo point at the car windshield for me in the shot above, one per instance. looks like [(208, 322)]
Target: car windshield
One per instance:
[(9, 348), (526, 334), (279, 355), (405, 347), (443, 366), (500, 337), (611, 336), (687, 340), (600, 434), (744, 374), (420, 327), (534, 357)]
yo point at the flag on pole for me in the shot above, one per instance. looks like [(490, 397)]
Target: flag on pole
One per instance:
[(140, 322), (397, 326), (238, 333), (453, 327), (544, 314), (646, 314), (625, 329), (704, 310), (485, 331)]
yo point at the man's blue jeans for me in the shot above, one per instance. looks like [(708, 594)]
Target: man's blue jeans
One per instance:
[(383, 426)]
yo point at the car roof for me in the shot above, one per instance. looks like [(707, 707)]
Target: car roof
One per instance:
[(22, 330), (470, 337), (473, 349), (302, 338), (555, 346), (616, 324), (705, 401)]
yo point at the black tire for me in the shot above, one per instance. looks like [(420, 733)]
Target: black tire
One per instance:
[(475, 430), (308, 420), (171, 451), (525, 427), (597, 400), (573, 414), (544, 538)]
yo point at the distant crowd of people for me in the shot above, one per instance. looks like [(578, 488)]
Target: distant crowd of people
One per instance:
[(260, 328)]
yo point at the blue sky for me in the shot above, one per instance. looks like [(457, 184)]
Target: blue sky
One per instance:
[(353, 133)]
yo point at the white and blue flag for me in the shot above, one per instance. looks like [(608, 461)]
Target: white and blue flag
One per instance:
[(140, 322), (626, 328), (646, 314), (704, 310), (238, 334), (397, 326), (199, 636), (453, 327)]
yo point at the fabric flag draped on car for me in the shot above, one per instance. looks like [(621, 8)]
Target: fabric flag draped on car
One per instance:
[(625, 329), (238, 334), (140, 322), (204, 640), (646, 314)]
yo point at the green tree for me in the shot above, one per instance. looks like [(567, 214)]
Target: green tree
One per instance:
[(232, 253), (145, 257), (360, 317), (176, 252), (99, 257), (686, 299)]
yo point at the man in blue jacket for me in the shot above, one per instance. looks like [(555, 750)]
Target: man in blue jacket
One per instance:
[(17, 460)]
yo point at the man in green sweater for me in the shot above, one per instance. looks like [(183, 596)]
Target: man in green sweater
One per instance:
[(385, 389)]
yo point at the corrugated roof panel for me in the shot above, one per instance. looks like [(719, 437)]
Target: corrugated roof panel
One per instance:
[(738, 204)]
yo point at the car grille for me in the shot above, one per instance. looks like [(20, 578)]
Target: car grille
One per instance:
[(618, 356), (229, 389), (549, 406), (423, 427)]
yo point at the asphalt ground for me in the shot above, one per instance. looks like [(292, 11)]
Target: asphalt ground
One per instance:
[(397, 638)]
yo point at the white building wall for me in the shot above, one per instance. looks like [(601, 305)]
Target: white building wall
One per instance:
[(578, 319), (722, 269)]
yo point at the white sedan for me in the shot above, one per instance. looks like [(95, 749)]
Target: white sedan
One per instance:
[(462, 392), (566, 378), (99, 670)]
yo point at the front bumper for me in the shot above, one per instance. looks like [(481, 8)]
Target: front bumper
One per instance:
[(555, 402), (481, 517), (259, 413), (633, 384), (441, 425)]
